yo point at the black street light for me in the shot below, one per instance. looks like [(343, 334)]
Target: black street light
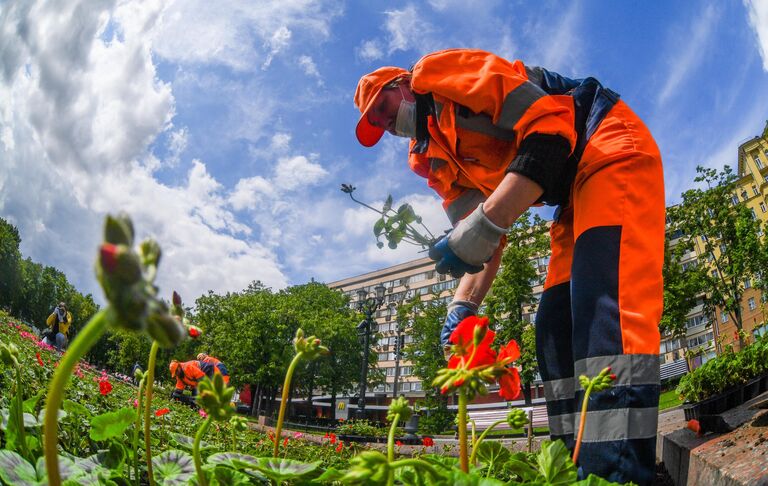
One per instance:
[(399, 345), (368, 306)]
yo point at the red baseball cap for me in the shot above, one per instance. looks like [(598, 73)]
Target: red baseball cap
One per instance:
[(368, 89)]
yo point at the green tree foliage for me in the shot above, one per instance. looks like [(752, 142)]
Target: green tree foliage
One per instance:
[(425, 319), (726, 234), (512, 290), (683, 287), (30, 290)]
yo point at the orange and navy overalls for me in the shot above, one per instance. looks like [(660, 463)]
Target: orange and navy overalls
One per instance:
[(218, 367), (189, 373), (480, 116)]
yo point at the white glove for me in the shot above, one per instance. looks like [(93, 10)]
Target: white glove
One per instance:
[(475, 238)]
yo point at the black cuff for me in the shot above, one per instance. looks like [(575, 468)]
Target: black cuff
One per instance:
[(544, 160)]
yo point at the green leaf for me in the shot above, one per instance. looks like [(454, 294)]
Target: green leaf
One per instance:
[(593, 480), (378, 227), (387, 204), (279, 469), (75, 408), (235, 460), (224, 476), (173, 467), (111, 424), (15, 470), (519, 465), (456, 477), (112, 458), (407, 214), (41, 416), (555, 464), (492, 453), (186, 442), (329, 476), (67, 469), (31, 403)]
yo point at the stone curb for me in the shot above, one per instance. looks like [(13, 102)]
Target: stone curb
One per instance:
[(736, 458)]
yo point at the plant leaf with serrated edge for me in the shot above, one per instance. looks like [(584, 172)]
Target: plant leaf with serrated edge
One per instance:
[(492, 453), (31, 403), (186, 442), (235, 460), (555, 463), (111, 424), (280, 469), (519, 465), (173, 467), (224, 476)]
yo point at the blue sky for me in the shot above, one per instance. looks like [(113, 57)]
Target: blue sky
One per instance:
[(226, 128)]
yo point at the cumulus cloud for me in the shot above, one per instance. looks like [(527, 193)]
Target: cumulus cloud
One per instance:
[(79, 110), (369, 51), (758, 20), (298, 171)]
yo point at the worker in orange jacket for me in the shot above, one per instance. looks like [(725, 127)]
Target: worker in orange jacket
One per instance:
[(188, 374), (494, 137), (218, 366)]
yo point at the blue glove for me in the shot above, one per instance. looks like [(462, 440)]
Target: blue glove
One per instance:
[(467, 247), (458, 310), (447, 261)]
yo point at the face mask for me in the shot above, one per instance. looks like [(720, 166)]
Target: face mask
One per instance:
[(405, 123)]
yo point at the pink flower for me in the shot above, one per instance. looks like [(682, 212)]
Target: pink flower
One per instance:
[(202, 413), (298, 435), (135, 403)]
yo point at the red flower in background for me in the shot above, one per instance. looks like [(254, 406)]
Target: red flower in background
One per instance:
[(40, 360), (161, 412), (105, 387), (398, 443), (285, 442), (340, 447), (427, 442)]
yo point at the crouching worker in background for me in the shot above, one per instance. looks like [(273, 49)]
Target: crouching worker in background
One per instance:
[(58, 324), (218, 366), (187, 374)]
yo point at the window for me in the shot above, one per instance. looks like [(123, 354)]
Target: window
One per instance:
[(744, 196), (760, 331), (389, 371), (418, 277), (751, 303), (754, 215), (416, 386), (735, 199), (724, 316), (758, 163), (755, 191), (762, 207), (405, 387), (747, 283), (696, 321)]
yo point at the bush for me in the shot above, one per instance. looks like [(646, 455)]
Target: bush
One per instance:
[(360, 427), (436, 421)]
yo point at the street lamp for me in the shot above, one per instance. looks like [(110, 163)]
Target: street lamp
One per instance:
[(368, 306), (399, 344)]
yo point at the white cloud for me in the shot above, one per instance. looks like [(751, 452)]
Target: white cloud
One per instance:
[(369, 51), (298, 171), (79, 110), (758, 20), (278, 42), (310, 69), (684, 60), (250, 192)]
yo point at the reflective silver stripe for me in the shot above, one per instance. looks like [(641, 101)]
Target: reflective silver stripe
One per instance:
[(562, 424), (535, 75), (559, 389), (463, 204), (621, 424), (630, 369), (438, 110), (482, 123), (517, 103)]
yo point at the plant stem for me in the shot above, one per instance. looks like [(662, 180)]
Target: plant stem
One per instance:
[(415, 463), (476, 445), (582, 422), (391, 449), (150, 377), (196, 451), (463, 430), (139, 409), (20, 415), (89, 335), (284, 400)]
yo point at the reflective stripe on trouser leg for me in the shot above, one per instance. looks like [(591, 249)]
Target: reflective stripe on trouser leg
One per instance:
[(616, 292), (553, 333)]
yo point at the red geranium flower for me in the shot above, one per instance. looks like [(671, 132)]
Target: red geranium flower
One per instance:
[(105, 387), (463, 336), (40, 360), (285, 442), (161, 412), (427, 441), (398, 443), (109, 257), (509, 384), (340, 447)]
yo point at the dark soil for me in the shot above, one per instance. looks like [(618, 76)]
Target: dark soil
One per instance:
[(662, 476)]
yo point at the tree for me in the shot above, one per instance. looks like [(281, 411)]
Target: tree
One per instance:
[(512, 291), (726, 233), (425, 319), (10, 261)]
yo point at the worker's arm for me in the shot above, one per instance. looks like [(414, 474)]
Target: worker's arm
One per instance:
[(477, 237)]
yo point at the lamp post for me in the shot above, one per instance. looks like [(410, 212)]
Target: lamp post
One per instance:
[(367, 305), (398, 353)]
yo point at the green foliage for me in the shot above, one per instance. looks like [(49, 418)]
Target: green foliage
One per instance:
[(512, 289), (682, 287), (727, 235), (727, 370), (111, 424), (173, 468), (361, 427)]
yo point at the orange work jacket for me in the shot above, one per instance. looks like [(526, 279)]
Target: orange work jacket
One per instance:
[(190, 374)]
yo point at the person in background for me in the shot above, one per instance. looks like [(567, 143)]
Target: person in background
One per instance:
[(188, 375), (218, 366), (58, 323)]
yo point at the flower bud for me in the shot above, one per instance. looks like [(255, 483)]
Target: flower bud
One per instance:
[(399, 407), (119, 263), (215, 397), (479, 334), (150, 252), (517, 418), (9, 354), (118, 230), (165, 329)]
